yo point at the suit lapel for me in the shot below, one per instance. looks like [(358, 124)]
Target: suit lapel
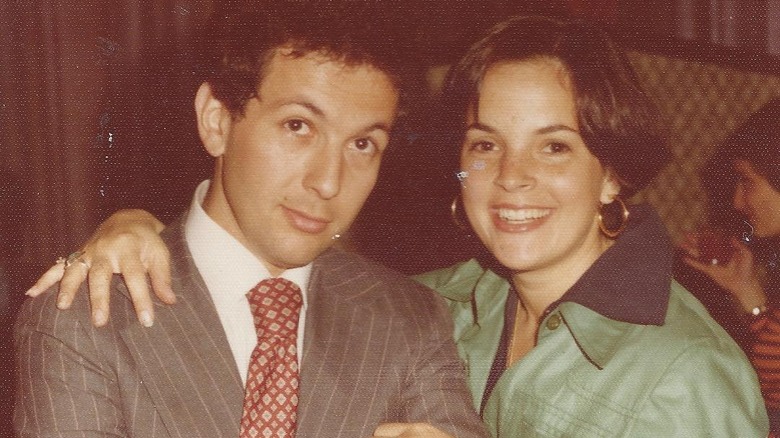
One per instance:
[(339, 329), (185, 359)]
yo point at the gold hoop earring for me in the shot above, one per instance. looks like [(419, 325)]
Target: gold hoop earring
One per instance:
[(454, 213), (613, 233)]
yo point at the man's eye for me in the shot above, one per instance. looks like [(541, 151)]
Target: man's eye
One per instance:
[(364, 145), (297, 126)]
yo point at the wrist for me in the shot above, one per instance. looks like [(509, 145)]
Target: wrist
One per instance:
[(135, 217), (758, 310), (752, 298)]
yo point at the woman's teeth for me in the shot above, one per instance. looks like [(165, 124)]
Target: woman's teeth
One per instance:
[(523, 215)]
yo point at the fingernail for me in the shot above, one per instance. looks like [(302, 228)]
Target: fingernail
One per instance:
[(62, 303), (99, 318), (146, 319), (30, 291)]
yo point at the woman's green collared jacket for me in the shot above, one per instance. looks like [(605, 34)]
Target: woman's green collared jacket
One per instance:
[(591, 376)]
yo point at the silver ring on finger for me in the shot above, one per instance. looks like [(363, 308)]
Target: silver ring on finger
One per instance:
[(75, 257)]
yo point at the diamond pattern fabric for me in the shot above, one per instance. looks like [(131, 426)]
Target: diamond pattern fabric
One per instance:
[(701, 104), (271, 396)]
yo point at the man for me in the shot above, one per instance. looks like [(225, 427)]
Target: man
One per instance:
[(297, 105)]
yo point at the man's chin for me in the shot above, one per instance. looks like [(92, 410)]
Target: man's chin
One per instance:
[(294, 256)]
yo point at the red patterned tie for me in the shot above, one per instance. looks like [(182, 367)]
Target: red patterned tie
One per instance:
[(271, 398)]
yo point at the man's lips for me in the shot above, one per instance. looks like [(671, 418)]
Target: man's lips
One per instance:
[(304, 222)]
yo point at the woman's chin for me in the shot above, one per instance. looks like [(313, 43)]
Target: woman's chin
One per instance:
[(519, 261)]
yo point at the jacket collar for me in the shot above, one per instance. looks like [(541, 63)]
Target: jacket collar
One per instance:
[(627, 286), (630, 281)]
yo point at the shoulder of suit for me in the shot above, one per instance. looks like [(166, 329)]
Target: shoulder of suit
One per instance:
[(353, 264), (336, 257), (41, 313)]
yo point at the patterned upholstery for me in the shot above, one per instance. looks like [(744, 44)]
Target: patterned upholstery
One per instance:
[(701, 103)]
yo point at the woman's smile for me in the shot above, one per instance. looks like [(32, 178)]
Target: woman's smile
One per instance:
[(517, 219)]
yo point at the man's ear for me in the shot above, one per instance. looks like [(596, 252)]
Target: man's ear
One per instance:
[(214, 121), (610, 187)]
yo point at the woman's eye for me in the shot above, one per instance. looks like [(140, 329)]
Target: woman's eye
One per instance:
[(483, 146), (297, 126), (556, 148)]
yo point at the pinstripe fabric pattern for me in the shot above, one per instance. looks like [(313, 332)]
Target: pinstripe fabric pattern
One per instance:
[(377, 348), (175, 379)]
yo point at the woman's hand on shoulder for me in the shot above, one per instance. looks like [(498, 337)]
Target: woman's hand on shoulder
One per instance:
[(127, 243)]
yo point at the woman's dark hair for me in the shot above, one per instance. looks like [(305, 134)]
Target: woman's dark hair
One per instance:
[(757, 141), (616, 119), (241, 36)]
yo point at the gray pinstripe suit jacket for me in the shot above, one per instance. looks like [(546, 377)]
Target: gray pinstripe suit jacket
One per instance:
[(377, 348)]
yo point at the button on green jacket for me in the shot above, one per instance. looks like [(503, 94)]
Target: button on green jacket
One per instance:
[(592, 376)]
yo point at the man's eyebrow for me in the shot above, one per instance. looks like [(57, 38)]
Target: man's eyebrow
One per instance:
[(308, 105), (317, 111), (378, 126)]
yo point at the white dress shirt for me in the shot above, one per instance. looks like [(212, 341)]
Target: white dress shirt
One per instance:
[(230, 271)]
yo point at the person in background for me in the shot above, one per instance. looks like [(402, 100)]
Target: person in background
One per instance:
[(569, 321), (274, 332), (749, 271)]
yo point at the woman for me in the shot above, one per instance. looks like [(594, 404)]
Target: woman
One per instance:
[(572, 326), (753, 152)]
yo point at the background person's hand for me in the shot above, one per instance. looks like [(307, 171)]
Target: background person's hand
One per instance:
[(127, 243), (738, 275)]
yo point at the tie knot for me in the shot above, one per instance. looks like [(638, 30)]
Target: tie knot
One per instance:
[(275, 305)]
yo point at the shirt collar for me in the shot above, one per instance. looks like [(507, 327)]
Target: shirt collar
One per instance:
[(227, 267)]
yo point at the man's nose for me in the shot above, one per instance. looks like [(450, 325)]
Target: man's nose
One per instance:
[(324, 173)]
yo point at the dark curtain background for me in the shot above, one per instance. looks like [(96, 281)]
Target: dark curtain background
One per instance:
[(93, 107)]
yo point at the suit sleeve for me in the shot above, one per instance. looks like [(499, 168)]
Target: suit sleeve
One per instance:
[(64, 387), (436, 391)]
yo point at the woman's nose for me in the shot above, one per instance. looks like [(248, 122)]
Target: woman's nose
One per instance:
[(516, 172)]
